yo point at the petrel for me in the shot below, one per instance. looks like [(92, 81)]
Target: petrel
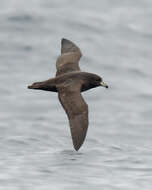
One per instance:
[(69, 82)]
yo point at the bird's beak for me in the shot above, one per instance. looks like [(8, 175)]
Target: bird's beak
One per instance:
[(104, 84)]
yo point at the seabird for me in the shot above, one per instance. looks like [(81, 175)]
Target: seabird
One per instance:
[(69, 82)]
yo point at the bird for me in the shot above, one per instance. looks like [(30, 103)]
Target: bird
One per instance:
[(69, 82)]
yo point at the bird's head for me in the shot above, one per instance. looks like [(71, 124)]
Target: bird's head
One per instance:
[(98, 81)]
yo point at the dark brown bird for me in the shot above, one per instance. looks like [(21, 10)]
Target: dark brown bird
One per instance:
[(69, 83)]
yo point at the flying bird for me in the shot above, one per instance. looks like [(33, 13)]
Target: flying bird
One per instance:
[(69, 82)]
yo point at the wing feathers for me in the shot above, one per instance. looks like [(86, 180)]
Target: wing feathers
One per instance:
[(67, 46), (69, 58), (77, 112)]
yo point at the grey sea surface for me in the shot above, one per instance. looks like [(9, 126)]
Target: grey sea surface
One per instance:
[(36, 151)]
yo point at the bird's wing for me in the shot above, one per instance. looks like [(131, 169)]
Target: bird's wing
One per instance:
[(77, 112), (69, 58)]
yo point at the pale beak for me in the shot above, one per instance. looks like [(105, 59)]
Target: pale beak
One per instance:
[(104, 84)]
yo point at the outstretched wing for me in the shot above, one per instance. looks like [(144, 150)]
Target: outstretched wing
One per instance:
[(77, 112), (69, 58)]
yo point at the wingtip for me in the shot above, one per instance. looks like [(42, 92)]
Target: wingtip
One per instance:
[(69, 46), (65, 41), (76, 148)]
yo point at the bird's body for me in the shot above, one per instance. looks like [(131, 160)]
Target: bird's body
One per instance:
[(69, 78), (69, 83)]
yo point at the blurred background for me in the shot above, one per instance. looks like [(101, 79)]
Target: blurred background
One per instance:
[(115, 37)]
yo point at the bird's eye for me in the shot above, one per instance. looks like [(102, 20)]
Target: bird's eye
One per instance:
[(98, 80)]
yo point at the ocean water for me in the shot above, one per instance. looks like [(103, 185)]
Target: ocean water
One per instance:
[(36, 152)]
